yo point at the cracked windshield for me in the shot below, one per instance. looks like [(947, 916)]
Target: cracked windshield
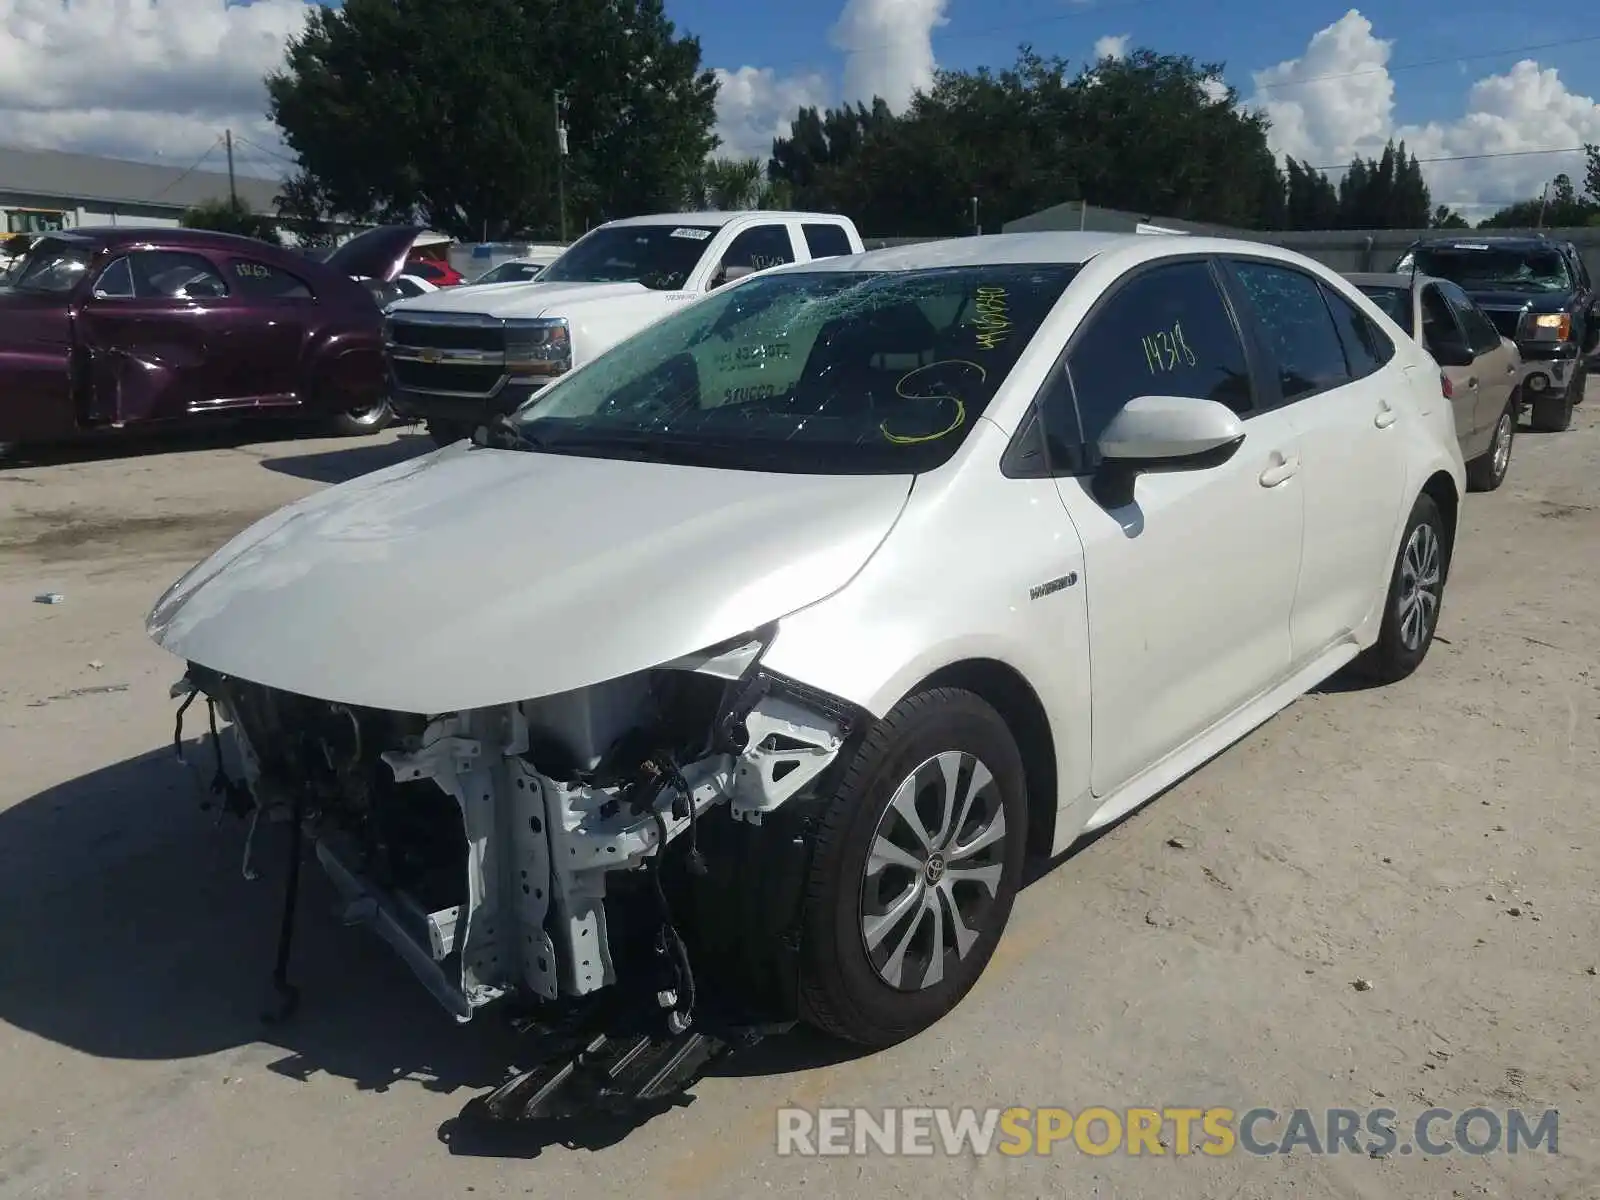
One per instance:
[(1533, 270), (831, 372)]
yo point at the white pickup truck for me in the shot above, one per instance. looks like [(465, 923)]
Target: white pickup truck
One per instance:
[(460, 355)]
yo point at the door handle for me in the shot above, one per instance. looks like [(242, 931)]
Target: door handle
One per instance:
[(1472, 381), (1385, 417), (1281, 470), (1511, 370)]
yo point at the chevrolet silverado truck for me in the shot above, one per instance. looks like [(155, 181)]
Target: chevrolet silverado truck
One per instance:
[(460, 357), (1539, 294)]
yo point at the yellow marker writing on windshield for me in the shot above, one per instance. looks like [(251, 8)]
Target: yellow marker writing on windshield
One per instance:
[(900, 439)]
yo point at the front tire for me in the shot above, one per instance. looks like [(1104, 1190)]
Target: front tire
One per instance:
[(1488, 471), (1415, 596), (917, 862)]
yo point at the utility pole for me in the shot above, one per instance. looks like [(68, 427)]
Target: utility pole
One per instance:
[(976, 228), (561, 160), (233, 193), (1544, 198)]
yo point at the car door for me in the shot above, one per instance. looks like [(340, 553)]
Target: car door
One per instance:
[(1189, 586), (1329, 380), (1493, 374), (260, 354), (146, 329)]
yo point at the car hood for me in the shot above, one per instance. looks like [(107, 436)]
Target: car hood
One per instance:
[(475, 576), (526, 299)]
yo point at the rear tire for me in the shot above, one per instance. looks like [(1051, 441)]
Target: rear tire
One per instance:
[(1416, 594), (1488, 471), (361, 421), (917, 861)]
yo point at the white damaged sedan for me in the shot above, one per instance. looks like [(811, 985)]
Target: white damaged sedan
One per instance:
[(740, 670)]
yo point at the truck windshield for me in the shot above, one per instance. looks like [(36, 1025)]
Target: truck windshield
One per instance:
[(1533, 269), (659, 256), (53, 266), (821, 372)]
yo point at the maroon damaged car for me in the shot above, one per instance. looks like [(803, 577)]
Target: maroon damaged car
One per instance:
[(112, 328)]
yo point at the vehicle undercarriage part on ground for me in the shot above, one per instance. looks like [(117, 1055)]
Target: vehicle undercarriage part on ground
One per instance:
[(561, 851)]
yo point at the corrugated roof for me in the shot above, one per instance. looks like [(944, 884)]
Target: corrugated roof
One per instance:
[(56, 173)]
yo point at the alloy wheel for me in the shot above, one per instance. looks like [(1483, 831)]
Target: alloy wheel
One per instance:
[(933, 871), (1421, 575), (1502, 445)]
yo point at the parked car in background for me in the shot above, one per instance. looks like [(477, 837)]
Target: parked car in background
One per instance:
[(1537, 292), (408, 285), (462, 356), (12, 251), (747, 665), (104, 329), (514, 270), (1481, 371), (435, 271)]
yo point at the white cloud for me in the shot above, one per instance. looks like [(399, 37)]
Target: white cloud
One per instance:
[(755, 105), (888, 48), (1113, 45), (157, 81), (1337, 100)]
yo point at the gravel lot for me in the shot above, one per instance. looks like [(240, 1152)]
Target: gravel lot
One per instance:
[(1436, 838)]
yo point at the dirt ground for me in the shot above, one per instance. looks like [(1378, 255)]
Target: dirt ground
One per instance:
[(1436, 838)]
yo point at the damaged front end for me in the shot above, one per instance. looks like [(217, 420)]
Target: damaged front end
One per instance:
[(635, 848)]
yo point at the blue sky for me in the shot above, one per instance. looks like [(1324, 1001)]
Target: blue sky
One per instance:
[(1473, 37)]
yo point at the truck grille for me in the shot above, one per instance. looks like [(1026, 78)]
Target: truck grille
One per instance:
[(447, 355), (453, 378), (1506, 321)]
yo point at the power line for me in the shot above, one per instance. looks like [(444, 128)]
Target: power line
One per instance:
[(1450, 158), (260, 149), (212, 149)]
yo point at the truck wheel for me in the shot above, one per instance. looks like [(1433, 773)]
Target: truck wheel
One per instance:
[(444, 433), (917, 861), (1580, 383), (1416, 593), (360, 421), (1552, 414), (1488, 471)]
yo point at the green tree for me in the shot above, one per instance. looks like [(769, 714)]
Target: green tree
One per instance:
[(1591, 177), (1310, 199), (1387, 192), (227, 215), (445, 110), (1149, 133), (728, 184), (1445, 217), (1558, 208), (304, 207)]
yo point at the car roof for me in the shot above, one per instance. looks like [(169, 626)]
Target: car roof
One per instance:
[(720, 219), (169, 235), (1062, 247), (1491, 241)]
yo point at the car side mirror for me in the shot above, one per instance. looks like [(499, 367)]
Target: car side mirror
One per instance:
[(1453, 354), (1164, 433)]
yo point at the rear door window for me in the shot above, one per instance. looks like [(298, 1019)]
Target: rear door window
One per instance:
[(262, 281), (825, 239), (1480, 332), (1298, 329), (1366, 349), (1165, 332), (175, 275), (1439, 323)]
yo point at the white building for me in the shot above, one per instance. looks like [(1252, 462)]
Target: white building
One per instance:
[(43, 190)]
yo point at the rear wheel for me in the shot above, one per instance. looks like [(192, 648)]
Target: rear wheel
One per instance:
[(1416, 593), (359, 421), (918, 859), (1488, 471)]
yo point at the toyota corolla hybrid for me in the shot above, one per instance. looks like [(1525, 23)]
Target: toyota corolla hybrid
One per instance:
[(748, 662)]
